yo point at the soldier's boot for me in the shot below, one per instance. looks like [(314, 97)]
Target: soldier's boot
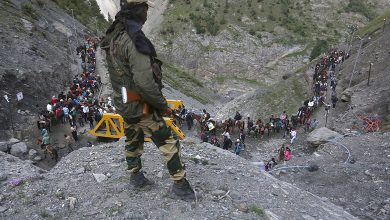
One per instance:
[(183, 190), (138, 180)]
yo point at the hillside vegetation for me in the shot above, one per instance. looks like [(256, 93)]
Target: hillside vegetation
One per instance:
[(301, 20), (85, 12)]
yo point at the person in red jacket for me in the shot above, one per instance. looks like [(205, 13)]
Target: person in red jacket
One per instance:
[(54, 100)]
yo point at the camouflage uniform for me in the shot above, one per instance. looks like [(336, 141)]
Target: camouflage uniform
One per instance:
[(140, 74)]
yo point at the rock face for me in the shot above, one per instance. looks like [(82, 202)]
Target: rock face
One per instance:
[(4, 146), (19, 149), (37, 59), (346, 95), (372, 151), (231, 188), (321, 136)]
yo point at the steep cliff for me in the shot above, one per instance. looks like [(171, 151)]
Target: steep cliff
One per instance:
[(37, 58)]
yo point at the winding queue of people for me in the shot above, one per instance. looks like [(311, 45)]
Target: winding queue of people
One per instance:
[(324, 72), (79, 105)]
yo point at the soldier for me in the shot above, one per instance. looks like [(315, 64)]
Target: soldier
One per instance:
[(135, 74)]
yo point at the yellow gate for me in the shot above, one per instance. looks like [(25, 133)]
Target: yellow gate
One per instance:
[(112, 126)]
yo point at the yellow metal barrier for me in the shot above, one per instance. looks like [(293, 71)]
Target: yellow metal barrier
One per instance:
[(112, 126), (175, 104), (174, 128)]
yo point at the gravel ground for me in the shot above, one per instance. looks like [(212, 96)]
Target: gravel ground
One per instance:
[(91, 183)]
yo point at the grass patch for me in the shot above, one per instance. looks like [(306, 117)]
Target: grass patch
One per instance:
[(320, 47), (40, 3), (8, 2), (30, 11), (115, 211), (257, 210), (374, 25), (208, 17), (284, 96), (184, 82), (360, 6), (182, 74), (205, 162), (196, 160), (60, 195), (223, 79), (84, 12), (44, 214)]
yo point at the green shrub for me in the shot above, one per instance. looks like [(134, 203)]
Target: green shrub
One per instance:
[(257, 210), (320, 47), (83, 11), (30, 11), (40, 3), (359, 6), (223, 21)]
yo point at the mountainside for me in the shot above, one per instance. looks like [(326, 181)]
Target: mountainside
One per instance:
[(238, 47), (39, 41), (353, 168)]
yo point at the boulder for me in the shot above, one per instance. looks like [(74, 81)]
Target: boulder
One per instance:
[(37, 158), (100, 177), (321, 136), (346, 95), (19, 149), (4, 146), (13, 141)]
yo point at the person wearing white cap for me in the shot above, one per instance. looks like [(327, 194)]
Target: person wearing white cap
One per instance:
[(238, 146)]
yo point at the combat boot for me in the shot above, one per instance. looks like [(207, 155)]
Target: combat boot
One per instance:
[(183, 190), (138, 180)]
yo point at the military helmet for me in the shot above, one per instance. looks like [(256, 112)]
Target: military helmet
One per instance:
[(124, 2)]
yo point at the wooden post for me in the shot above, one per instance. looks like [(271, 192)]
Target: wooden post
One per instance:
[(356, 60), (369, 74)]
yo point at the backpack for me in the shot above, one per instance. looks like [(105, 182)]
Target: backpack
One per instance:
[(250, 124)]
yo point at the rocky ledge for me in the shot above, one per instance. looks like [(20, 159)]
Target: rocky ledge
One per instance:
[(92, 183)]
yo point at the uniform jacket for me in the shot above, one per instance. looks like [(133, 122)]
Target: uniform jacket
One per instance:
[(136, 71)]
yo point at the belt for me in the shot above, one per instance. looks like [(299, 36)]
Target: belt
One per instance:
[(135, 97)]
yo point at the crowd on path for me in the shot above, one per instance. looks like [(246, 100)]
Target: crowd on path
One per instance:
[(324, 76), (80, 105)]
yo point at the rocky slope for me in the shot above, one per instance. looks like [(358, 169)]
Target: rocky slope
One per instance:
[(37, 58), (359, 184), (91, 183), (354, 169), (238, 47)]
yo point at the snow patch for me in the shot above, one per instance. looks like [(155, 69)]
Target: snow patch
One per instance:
[(108, 7)]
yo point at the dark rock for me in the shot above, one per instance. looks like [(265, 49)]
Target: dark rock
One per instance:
[(19, 149), (321, 136), (3, 177), (3, 209), (4, 146), (346, 95)]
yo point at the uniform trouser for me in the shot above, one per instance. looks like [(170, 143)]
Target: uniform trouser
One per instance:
[(162, 137)]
